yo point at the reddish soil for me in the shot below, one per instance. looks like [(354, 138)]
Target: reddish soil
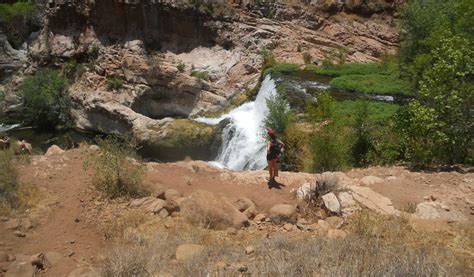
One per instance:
[(69, 197)]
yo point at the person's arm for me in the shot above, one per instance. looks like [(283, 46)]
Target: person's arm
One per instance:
[(282, 145)]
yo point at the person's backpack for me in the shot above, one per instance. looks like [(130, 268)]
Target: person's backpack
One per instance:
[(275, 148)]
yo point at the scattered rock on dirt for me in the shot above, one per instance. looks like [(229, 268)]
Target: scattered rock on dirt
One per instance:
[(20, 269), (259, 218), (370, 180), (435, 210), (373, 200), (186, 252), (335, 222), (249, 250)]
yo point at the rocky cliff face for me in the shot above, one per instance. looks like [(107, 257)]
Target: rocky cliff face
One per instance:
[(154, 46)]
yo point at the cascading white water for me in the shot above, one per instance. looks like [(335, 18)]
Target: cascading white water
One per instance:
[(243, 146)]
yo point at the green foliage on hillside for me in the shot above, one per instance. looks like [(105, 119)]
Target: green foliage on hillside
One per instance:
[(372, 84), (282, 68), (201, 75), (438, 58), (46, 103), (14, 20)]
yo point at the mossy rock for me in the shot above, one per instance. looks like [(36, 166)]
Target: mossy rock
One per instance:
[(186, 138)]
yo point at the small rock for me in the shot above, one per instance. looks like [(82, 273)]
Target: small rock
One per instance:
[(71, 253), (172, 194), (163, 213), (232, 231), (37, 260), (331, 202), (19, 234), (323, 227), (186, 252), (53, 258), (249, 250), (283, 212), (54, 150), (302, 221), (370, 180), (167, 225), (259, 218), (26, 224), (288, 227), (336, 233), (335, 222), (94, 148), (12, 224), (445, 207)]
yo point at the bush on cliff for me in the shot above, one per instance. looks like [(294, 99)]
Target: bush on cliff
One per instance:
[(46, 102), (15, 20)]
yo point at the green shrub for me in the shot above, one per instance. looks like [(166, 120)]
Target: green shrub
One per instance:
[(437, 57), (114, 83), (116, 173), (279, 116), (14, 20), (372, 84), (181, 67), (72, 70), (46, 103), (201, 75), (363, 142), (268, 59), (328, 143), (307, 58)]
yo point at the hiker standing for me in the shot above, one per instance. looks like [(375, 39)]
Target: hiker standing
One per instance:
[(274, 149)]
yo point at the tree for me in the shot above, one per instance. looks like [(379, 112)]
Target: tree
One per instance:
[(46, 103)]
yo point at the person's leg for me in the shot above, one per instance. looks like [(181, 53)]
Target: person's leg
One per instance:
[(274, 165), (275, 169), (270, 169)]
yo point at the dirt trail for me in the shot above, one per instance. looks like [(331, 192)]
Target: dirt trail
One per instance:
[(72, 202)]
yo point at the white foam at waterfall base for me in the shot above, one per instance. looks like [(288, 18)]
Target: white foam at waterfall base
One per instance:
[(243, 144)]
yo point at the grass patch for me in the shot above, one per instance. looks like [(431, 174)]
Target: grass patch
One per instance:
[(348, 69), (201, 75), (282, 68), (114, 83), (377, 111), (372, 84)]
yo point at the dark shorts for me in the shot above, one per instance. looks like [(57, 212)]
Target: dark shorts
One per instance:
[(271, 157)]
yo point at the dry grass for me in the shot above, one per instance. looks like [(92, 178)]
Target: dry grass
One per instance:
[(14, 196), (378, 246)]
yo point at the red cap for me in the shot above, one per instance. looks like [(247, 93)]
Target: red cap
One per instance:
[(270, 132)]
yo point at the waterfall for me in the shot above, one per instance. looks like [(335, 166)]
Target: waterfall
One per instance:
[(243, 145)]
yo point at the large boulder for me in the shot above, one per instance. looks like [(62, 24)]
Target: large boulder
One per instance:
[(283, 212), (20, 269), (208, 210), (373, 200), (348, 204), (437, 211), (246, 206)]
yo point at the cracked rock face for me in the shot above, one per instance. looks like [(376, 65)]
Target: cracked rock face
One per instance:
[(177, 60)]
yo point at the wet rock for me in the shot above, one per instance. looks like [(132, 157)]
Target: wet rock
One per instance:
[(283, 212), (186, 252), (208, 210), (54, 150), (331, 202)]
